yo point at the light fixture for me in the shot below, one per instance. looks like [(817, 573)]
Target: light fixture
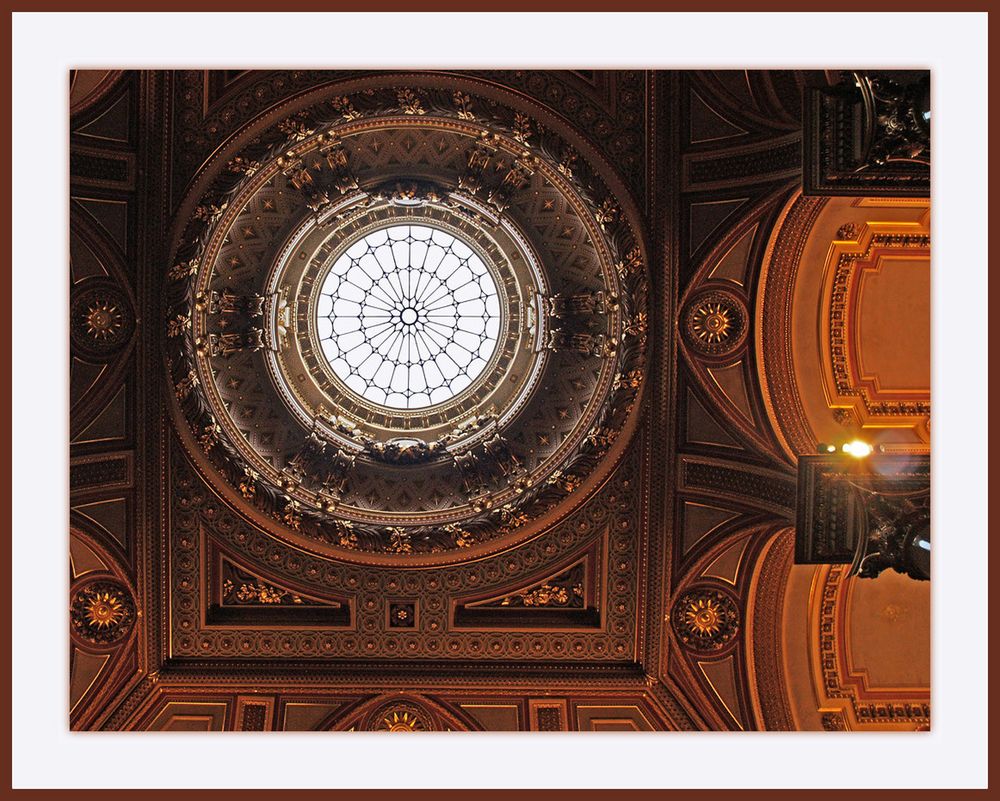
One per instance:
[(857, 448)]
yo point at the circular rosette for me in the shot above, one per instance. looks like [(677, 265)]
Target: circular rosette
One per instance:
[(399, 717), (715, 323), (101, 319), (705, 620), (102, 612)]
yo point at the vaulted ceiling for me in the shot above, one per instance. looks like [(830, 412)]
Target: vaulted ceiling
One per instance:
[(680, 291)]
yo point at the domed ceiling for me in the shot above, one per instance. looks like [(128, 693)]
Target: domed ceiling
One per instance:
[(416, 401), (400, 324)]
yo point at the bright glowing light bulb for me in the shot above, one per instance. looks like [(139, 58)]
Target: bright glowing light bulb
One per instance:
[(857, 448)]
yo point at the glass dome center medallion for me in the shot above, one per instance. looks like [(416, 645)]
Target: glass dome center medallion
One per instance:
[(408, 316)]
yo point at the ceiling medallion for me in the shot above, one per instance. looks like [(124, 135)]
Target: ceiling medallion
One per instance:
[(398, 716), (715, 323), (406, 333), (101, 612), (705, 620), (103, 318), (400, 722), (100, 318)]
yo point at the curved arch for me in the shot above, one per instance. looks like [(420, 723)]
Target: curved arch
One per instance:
[(844, 282)]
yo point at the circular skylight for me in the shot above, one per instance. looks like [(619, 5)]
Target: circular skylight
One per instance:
[(408, 316)]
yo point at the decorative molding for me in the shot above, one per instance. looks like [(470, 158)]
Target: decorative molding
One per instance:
[(773, 323), (772, 161), (106, 471), (101, 319), (869, 135), (764, 635), (842, 288), (840, 690), (501, 505), (758, 487)]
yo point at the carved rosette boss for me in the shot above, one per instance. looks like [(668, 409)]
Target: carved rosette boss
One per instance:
[(715, 323), (705, 620)]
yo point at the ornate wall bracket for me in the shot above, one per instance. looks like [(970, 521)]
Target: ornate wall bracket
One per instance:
[(869, 135), (872, 514)]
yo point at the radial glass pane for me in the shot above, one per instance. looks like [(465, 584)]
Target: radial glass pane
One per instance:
[(408, 316)]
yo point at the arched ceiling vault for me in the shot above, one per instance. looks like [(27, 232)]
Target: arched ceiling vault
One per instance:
[(579, 518)]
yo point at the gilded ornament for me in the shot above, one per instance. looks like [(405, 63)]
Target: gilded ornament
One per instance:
[(182, 270), (567, 163), (103, 318), (715, 323), (178, 325), (404, 721), (606, 213), (185, 385), (399, 541), (261, 593), (240, 588), (463, 106), (712, 322), (294, 170), (845, 417), (102, 612), (209, 436), (705, 620), (631, 264), (297, 128), (344, 107), (564, 590), (522, 128), (245, 166), (631, 380), (409, 102), (546, 595), (292, 516), (248, 484), (637, 326), (601, 437), (848, 232), (101, 322), (208, 212)]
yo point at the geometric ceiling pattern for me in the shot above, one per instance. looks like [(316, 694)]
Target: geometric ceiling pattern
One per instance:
[(592, 528)]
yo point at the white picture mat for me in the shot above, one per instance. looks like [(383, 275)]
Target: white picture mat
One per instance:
[(47, 45)]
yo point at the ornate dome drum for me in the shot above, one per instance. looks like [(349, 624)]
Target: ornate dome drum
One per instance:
[(406, 323)]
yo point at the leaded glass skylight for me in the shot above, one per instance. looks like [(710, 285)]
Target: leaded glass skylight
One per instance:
[(408, 316)]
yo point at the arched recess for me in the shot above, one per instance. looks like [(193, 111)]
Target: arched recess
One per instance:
[(105, 618), (88, 87), (401, 712), (98, 359), (833, 652), (843, 323), (711, 627)]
